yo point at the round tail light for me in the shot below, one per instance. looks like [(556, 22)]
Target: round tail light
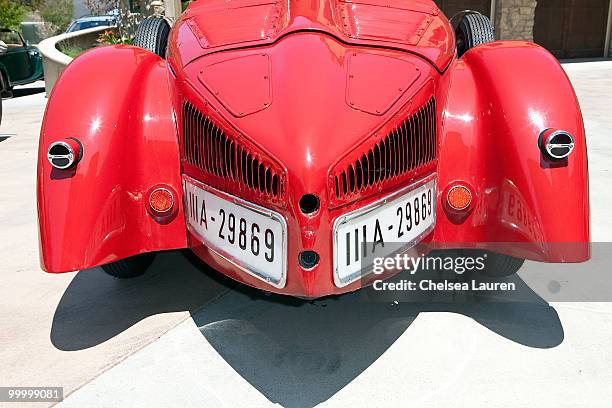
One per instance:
[(161, 201), (459, 198)]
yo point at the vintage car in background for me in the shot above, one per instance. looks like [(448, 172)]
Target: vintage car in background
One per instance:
[(287, 144), (3, 50), (86, 22), (20, 64)]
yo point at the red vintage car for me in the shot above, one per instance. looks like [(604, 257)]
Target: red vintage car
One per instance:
[(287, 142)]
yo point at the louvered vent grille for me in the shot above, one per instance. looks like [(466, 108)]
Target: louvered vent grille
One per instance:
[(409, 146), (224, 158)]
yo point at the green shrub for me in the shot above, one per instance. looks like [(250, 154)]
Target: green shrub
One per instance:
[(57, 12), (11, 14), (109, 37), (72, 51)]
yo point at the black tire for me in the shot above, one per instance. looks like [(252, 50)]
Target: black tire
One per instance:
[(4, 82), (497, 265), (473, 29), (130, 267), (152, 34), (3, 91)]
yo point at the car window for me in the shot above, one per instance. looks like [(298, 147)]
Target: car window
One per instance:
[(11, 39)]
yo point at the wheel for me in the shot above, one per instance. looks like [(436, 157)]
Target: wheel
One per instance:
[(152, 34), (473, 29), (497, 265), (500, 265), (130, 267), (4, 84), (4, 91)]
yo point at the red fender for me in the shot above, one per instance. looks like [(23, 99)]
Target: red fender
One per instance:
[(500, 98), (116, 101)]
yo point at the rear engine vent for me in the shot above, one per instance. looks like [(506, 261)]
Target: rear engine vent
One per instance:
[(409, 147), (229, 162)]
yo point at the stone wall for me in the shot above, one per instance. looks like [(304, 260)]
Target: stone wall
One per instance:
[(514, 19)]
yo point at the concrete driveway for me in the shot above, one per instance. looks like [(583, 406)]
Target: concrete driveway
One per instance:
[(66, 329), (182, 337)]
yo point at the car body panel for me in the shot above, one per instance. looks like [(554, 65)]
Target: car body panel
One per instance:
[(415, 26), (269, 120), (494, 114), (96, 213)]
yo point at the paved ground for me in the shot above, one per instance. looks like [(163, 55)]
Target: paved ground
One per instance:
[(226, 346), (66, 329)]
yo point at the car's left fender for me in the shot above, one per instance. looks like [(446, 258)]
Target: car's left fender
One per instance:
[(117, 102)]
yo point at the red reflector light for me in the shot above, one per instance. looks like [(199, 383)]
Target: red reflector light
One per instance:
[(459, 198), (161, 200)]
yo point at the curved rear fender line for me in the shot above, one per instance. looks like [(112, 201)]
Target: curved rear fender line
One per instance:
[(501, 96), (117, 102)]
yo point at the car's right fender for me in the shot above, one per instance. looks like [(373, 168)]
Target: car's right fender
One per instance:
[(501, 97)]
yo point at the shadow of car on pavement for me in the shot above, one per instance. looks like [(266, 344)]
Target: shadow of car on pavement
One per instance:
[(301, 353), (26, 91), (96, 307), (297, 353)]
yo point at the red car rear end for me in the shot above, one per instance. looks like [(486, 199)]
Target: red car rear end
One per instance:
[(289, 144)]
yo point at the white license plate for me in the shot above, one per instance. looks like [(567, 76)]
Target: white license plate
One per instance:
[(251, 237), (382, 229)]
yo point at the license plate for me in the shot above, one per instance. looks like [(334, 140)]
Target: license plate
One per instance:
[(251, 237), (382, 229)]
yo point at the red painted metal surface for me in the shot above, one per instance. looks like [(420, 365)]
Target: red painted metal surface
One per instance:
[(97, 212), (494, 114), (214, 150), (364, 71), (251, 72), (415, 26), (262, 91)]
